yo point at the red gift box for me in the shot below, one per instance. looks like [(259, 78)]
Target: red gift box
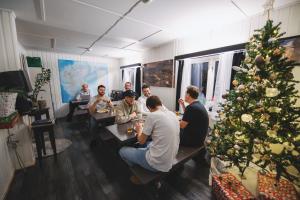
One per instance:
[(228, 187), (270, 189)]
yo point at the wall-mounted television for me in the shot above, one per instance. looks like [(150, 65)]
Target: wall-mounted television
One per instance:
[(15, 80)]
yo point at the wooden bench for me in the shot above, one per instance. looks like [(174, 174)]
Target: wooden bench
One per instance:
[(184, 155)]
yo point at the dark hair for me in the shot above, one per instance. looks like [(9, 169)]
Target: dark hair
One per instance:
[(153, 102), (129, 93), (128, 83), (145, 86), (193, 91), (101, 86)]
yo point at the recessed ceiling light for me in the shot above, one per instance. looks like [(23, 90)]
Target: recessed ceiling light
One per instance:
[(146, 1)]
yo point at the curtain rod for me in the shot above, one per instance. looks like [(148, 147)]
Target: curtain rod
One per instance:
[(216, 54), (211, 51), (132, 65), (222, 49)]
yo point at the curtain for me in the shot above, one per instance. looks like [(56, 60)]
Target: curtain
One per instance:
[(223, 77), (237, 60), (179, 80), (129, 75), (197, 74), (138, 81), (185, 68)]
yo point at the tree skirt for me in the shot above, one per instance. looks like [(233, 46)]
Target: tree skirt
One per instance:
[(61, 145)]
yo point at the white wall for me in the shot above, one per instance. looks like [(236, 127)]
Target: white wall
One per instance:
[(240, 32), (163, 52), (213, 38), (7, 169), (50, 60)]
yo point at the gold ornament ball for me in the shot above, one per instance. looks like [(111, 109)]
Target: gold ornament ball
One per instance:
[(259, 60), (246, 118), (277, 52), (273, 76), (235, 83), (272, 92), (272, 133), (257, 78), (241, 87), (237, 147), (239, 99)]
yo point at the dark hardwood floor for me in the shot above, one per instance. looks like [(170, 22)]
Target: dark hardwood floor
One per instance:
[(85, 172)]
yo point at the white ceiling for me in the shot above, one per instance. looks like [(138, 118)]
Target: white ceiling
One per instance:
[(77, 23)]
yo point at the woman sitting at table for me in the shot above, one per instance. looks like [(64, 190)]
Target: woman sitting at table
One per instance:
[(100, 101), (158, 155)]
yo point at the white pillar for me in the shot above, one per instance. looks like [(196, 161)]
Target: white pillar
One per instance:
[(9, 52)]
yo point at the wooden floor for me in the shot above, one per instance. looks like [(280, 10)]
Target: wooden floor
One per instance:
[(85, 172)]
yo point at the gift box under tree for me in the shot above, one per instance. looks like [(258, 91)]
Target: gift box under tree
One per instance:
[(227, 187), (269, 188)]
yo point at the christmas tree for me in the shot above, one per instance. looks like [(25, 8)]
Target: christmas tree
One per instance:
[(259, 122)]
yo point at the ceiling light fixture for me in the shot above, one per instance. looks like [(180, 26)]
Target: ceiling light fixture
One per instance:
[(52, 43), (146, 1), (115, 23), (43, 10), (239, 8)]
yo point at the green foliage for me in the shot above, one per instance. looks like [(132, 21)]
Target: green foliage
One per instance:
[(259, 121), (41, 79)]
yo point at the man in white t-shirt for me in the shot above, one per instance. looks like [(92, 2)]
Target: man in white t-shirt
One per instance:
[(163, 127), (142, 100)]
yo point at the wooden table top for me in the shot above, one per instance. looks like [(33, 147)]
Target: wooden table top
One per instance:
[(80, 102), (120, 132), (102, 116)]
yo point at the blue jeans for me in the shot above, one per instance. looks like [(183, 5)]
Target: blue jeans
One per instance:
[(137, 156)]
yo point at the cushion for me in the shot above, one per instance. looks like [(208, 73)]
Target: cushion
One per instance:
[(7, 103)]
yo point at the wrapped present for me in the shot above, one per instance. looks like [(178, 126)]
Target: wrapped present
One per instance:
[(268, 188), (227, 187)]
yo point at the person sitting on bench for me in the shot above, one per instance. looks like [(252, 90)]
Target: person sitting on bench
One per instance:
[(142, 100), (100, 101), (81, 98), (128, 109), (127, 86), (159, 154), (194, 123)]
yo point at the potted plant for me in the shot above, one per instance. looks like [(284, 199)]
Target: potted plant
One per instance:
[(40, 80)]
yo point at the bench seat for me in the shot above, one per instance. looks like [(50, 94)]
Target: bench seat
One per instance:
[(184, 154)]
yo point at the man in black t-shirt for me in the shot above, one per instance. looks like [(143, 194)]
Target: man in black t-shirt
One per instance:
[(194, 124)]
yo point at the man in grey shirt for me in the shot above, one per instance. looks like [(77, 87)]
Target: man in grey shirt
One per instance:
[(163, 127), (82, 98)]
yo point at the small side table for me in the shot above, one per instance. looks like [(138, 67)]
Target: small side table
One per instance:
[(39, 127), (37, 113)]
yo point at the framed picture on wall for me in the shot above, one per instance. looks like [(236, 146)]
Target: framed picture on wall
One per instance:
[(159, 74)]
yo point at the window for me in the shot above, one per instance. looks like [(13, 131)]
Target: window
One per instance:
[(204, 75)]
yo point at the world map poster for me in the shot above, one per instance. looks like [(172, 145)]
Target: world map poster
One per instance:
[(73, 74)]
